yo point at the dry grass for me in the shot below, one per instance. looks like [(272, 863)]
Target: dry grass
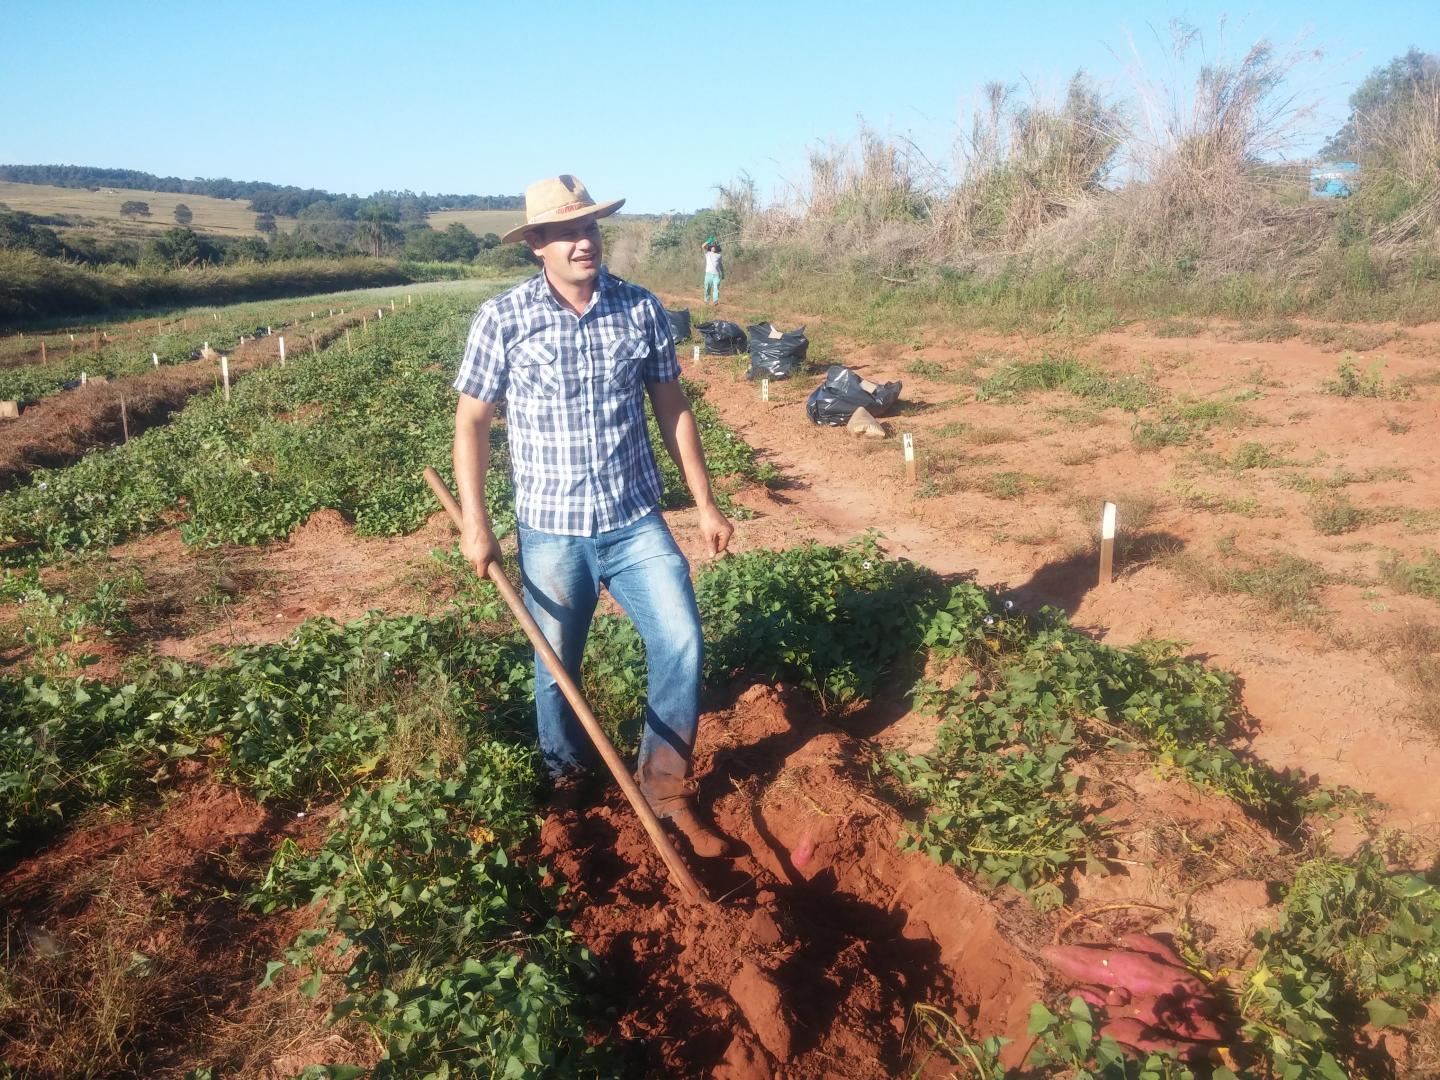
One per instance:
[(1412, 651), (231, 217), (84, 1004), (1283, 585), (479, 222)]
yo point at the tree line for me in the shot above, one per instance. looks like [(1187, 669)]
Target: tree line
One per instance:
[(377, 233), (279, 199)]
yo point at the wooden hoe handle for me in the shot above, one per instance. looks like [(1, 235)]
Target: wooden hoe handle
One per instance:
[(678, 870)]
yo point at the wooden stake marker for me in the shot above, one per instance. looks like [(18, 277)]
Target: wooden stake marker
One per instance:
[(225, 376), (154, 359), (84, 378), (1107, 544), (392, 303), (764, 389), (43, 358), (124, 421), (282, 351), (908, 443), (348, 349), (314, 349)]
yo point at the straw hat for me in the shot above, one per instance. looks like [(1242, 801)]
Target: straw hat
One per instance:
[(560, 198)]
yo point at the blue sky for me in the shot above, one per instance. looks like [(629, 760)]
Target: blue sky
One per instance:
[(654, 101)]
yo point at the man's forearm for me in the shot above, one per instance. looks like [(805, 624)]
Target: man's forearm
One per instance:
[(471, 458), (683, 443)]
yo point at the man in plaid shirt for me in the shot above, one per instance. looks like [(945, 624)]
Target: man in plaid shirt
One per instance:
[(572, 352)]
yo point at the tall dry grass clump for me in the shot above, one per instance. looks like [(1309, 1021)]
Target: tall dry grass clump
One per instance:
[(869, 199), (1205, 187), (1395, 133), (1186, 195), (1023, 165)]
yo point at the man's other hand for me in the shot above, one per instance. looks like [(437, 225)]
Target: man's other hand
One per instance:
[(715, 531)]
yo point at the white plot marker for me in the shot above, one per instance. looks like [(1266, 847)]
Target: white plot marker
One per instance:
[(764, 389), (907, 441), (1107, 544), (392, 303), (696, 354), (225, 375), (379, 314), (84, 378), (155, 359), (282, 351)]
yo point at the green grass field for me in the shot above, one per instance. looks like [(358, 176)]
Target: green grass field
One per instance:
[(231, 217)]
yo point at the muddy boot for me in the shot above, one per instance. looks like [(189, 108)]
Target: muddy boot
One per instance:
[(571, 792), (674, 801)]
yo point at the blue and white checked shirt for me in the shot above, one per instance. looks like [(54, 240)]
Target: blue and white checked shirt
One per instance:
[(575, 388)]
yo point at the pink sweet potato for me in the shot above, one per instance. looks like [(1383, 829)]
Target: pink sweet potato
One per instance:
[(1092, 995), (1154, 946), (1134, 971), (1189, 1016)]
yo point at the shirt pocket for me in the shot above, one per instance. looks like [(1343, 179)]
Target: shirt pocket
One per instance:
[(534, 370), (625, 357)]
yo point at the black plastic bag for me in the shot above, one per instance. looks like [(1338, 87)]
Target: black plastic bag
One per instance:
[(679, 323), (776, 357), (835, 400), (722, 338)]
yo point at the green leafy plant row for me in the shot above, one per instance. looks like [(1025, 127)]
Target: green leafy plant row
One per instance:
[(179, 335), (344, 431)]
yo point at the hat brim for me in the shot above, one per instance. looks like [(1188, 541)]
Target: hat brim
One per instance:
[(599, 210)]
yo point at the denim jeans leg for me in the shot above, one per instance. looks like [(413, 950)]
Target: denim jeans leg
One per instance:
[(561, 585), (647, 574)]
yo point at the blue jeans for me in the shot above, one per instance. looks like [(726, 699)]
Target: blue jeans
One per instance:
[(712, 282), (646, 573)]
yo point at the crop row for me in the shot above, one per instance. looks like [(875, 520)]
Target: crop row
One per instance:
[(350, 430), (423, 723), (174, 341)]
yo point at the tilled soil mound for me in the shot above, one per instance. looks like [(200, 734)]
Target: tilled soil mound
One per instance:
[(825, 936)]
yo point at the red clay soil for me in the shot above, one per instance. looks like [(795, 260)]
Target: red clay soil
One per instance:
[(825, 934), (1326, 698), (140, 924)]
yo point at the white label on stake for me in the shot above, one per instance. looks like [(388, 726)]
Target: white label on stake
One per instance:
[(282, 350), (1107, 522), (696, 354), (155, 359), (764, 389), (909, 444)]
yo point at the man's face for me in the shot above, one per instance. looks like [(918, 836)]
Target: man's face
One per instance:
[(571, 250)]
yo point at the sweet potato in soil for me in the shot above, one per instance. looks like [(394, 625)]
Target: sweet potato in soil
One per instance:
[(807, 971)]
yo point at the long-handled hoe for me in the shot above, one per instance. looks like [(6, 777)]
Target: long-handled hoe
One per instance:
[(678, 870)]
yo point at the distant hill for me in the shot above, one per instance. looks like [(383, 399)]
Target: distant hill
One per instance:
[(263, 197)]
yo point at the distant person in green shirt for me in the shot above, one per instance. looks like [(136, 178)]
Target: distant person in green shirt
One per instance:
[(714, 270)]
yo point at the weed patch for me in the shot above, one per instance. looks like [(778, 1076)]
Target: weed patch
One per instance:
[(1420, 578), (1056, 373), (1350, 381)]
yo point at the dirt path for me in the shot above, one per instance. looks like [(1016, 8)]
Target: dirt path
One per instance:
[(1324, 697)]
